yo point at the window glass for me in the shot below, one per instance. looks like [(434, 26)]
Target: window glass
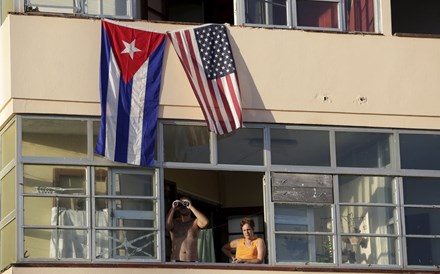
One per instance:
[(420, 151), (300, 147), (368, 219), (363, 149), (304, 248), (421, 251), (366, 189), (422, 191), (422, 221), (129, 184), (54, 138), (8, 249), (272, 12), (359, 15), (290, 217), (7, 149), (126, 244), (323, 14), (369, 250), (188, 144), (56, 243), (8, 195), (241, 147)]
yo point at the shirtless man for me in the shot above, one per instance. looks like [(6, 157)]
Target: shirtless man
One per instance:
[(184, 230)]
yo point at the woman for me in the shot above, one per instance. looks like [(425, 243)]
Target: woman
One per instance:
[(249, 249)]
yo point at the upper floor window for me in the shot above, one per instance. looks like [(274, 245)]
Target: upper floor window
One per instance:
[(421, 17), (116, 9), (341, 15)]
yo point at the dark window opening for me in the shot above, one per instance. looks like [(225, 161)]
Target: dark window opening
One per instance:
[(415, 17)]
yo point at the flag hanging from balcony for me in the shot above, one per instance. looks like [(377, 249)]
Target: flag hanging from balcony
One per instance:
[(206, 56), (130, 75)]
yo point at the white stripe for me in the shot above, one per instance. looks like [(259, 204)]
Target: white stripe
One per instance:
[(193, 74), (221, 106), (230, 95), (112, 107), (137, 115), (205, 83)]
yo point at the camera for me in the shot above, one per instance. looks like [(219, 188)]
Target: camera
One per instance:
[(180, 203)]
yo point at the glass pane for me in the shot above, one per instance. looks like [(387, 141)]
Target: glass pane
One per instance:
[(241, 147), (54, 138), (8, 193), (423, 251), (363, 149), (359, 15), (368, 219), (8, 249), (422, 191), (418, 151), (134, 184), (125, 213), (300, 147), (299, 248), (56, 243), (54, 180), (290, 217), (101, 181), (188, 144), (366, 189), (317, 14), (422, 221), (7, 149), (55, 211), (266, 12), (369, 250), (126, 244)]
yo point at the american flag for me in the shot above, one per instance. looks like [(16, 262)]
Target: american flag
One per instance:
[(206, 56)]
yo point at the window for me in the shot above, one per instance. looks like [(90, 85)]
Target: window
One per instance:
[(117, 9), (419, 17), (342, 15), (324, 196)]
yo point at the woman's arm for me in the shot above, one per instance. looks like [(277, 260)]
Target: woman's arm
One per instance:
[(227, 249)]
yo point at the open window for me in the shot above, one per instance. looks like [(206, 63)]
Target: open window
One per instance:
[(415, 17)]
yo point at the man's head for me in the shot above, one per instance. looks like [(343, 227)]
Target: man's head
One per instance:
[(183, 207)]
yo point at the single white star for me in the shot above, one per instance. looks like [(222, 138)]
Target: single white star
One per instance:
[(130, 48)]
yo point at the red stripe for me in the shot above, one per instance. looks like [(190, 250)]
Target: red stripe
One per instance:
[(226, 104), (235, 94), (177, 42), (216, 107), (199, 75)]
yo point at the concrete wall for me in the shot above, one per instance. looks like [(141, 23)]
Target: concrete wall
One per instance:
[(286, 76)]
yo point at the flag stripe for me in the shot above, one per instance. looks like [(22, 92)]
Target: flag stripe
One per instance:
[(219, 96)]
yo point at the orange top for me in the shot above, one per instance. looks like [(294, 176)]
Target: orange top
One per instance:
[(244, 252)]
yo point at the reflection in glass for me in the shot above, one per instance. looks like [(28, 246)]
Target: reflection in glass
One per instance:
[(188, 144), (422, 191), (54, 180), (420, 151), (304, 248), (422, 221), (8, 193), (125, 213), (368, 219), (54, 138), (289, 217), (363, 149), (128, 184), (126, 244), (323, 14), (242, 147), (366, 189), (56, 211), (422, 251), (300, 147), (56, 243), (369, 250), (272, 12)]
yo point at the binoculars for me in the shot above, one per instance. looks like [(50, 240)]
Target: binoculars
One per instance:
[(180, 203)]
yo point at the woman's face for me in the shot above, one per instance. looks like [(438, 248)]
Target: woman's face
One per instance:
[(248, 232)]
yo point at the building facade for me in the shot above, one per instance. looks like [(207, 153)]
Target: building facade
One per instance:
[(338, 161)]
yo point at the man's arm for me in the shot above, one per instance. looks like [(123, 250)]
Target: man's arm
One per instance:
[(170, 218), (202, 221)]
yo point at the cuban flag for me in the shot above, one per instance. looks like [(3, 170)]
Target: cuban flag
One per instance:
[(130, 75)]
